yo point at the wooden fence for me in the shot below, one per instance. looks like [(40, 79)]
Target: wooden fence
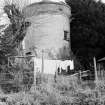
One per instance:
[(100, 72), (11, 61)]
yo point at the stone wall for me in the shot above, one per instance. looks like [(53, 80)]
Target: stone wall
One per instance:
[(50, 25)]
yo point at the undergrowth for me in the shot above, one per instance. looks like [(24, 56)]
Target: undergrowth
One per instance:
[(65, 91)]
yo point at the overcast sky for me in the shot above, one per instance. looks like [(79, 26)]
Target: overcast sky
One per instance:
[(3, 17), (103, 1)]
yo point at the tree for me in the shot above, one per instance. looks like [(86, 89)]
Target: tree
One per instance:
[(14, 33), (87, 30), (10, 43)]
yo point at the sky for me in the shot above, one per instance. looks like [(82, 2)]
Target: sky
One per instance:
[(3, 16), (103, 1)]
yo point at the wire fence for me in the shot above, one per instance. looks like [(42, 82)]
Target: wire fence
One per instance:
[(28, 77)]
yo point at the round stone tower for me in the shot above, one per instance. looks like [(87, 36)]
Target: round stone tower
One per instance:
[(49, 33)]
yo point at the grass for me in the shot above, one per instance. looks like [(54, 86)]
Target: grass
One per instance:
[(65, 91)]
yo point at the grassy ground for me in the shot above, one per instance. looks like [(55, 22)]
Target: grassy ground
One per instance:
[(62, 91)]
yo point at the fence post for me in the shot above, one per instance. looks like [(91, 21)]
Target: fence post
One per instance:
[(95, 69), (34, 72), (8, 61), (80, 75)]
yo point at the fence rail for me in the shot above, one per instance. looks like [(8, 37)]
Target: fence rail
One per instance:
[(3, 76)]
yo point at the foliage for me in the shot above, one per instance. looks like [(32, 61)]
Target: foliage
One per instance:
[(10, 45), (87, 29), (51, 93), (14, 33), (16, 78)]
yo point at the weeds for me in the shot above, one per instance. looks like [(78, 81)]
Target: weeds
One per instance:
[(62, 92)]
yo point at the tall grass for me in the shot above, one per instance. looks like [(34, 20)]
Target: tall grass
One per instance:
[(65, 91)]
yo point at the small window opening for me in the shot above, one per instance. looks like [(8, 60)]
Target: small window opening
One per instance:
[(29, 53), (60, 9), (66, 36)]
